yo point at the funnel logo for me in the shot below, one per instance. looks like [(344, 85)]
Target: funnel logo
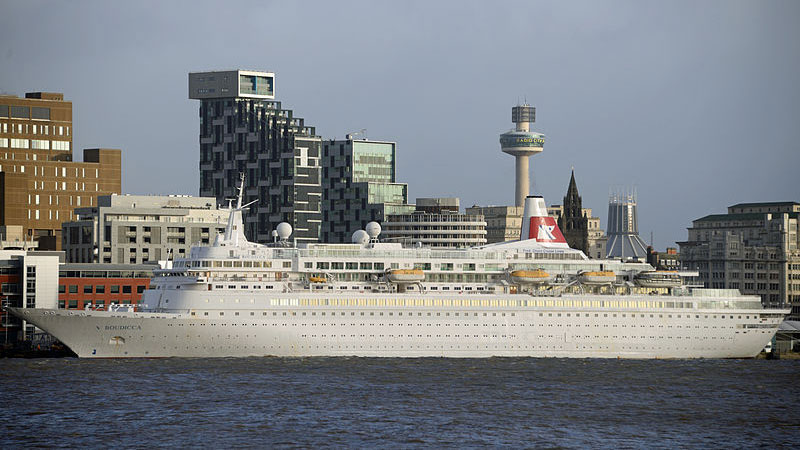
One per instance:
[(544, 229), (545, 233)]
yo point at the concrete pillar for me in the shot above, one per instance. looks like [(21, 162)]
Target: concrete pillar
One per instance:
[(523, 178)]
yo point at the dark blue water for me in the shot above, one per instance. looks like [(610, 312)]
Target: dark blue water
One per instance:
[(358, 402)]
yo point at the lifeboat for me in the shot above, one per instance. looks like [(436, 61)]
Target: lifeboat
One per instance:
[(405, 275), (657, 278), (537, 276), (317, 279), (604, 277)]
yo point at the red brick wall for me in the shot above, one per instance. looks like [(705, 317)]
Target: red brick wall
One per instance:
[(80, 298)]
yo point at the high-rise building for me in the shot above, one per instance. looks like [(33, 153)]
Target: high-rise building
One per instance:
[(136, 229), (623, 228), (40, 185), (243, 130), (522, 143), (755, 248), (436, 222), (359, 186)]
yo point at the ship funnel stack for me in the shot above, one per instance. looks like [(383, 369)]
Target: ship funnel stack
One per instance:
[(521, 143), (538, 225)]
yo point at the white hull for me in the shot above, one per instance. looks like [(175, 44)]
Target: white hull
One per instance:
[(383, 332)]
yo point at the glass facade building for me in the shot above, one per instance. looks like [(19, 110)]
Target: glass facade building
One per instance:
[(358, 181)]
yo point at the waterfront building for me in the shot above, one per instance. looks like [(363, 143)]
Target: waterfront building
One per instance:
[(359, 186), (435, 223), (40, 185), (28, 279), (668, 260), (135, 229), (99, 286), (623, 228), (755, 248), (244, 130), (522, 143), (503, 223)]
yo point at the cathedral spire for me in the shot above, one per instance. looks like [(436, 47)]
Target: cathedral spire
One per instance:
[(572, 190)]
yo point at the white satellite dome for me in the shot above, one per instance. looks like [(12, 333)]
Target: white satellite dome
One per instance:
[(284, 230), (373, 229), (360, 237)]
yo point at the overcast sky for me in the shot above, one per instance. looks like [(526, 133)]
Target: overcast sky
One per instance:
[(695, 104)]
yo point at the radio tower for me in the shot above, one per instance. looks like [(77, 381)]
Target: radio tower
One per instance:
[(522, 143)]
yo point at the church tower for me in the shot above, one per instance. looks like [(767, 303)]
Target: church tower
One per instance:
[(573, 223)]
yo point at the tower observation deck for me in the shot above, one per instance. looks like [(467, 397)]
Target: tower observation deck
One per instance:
[(522, 143)]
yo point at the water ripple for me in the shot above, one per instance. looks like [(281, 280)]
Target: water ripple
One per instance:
[(390, 403)]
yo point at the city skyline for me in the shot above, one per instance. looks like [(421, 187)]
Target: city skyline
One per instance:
[(692, 104)]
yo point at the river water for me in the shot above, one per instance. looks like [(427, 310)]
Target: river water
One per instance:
[(390, 403)]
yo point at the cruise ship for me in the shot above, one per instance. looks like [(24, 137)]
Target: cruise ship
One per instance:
[(534, 297)]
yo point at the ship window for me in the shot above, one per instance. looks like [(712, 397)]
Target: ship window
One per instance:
[(221, 313), (205, 313)]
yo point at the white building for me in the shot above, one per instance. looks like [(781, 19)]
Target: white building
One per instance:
[(135, 229), (29, 280), (436, 223)]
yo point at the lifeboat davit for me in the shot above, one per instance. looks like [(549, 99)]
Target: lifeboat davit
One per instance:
[(405, 275), (657, 278), (597, 277), (537, 276)]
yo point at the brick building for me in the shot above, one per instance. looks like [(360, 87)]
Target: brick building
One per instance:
[(40, 184), (102, 284)]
